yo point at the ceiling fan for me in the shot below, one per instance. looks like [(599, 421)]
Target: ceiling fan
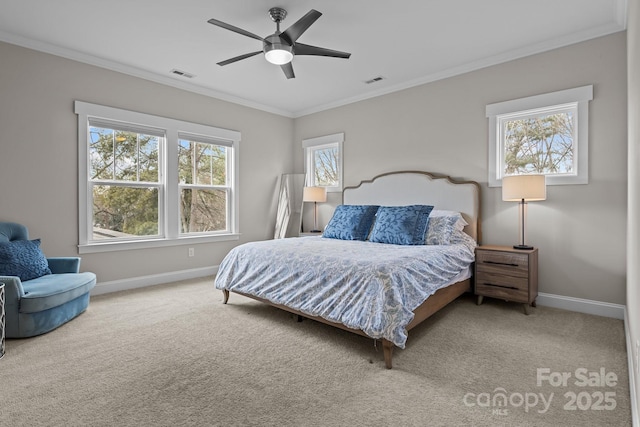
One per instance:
[(280, 47)]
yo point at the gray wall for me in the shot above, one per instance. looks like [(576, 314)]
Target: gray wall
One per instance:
[(633, 245), (441, 127), (39, 156)]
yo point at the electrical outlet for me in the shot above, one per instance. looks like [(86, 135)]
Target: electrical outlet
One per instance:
[(192, 252)]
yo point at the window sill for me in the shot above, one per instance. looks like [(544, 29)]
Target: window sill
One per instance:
[(153, 243), (552, 180)]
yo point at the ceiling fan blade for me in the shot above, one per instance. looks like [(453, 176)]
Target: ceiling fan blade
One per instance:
[(300, 26), (288, 70), (238, 58), (305, 49), (234, 29)]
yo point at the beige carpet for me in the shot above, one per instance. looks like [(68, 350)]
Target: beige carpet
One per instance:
[(174, 355)]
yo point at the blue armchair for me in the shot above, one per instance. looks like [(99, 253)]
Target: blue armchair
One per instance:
[(38, 305)]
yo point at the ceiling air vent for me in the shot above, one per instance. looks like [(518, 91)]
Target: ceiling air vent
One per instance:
[(374, 80), (182, 73)]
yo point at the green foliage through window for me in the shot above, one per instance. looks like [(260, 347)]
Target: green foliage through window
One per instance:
[(120, 161), (123, 156), (202, 210), (202, 163), (202, 173), (148, 181), (124, 211)]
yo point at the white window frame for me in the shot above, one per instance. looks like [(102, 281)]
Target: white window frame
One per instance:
[(576, 99), (310, 145), (169, 210), (227, 188)]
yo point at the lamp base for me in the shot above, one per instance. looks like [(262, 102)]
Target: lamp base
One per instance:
[(523, 247)]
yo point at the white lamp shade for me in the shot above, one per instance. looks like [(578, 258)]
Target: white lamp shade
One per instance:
[(527, 187), (314, 194)]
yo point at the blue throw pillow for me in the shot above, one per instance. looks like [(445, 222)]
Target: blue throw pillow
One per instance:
[(23, 258), (351, 222), (401, 225)]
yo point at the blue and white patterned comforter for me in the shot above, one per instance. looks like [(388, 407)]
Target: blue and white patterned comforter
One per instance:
[(369, 286)]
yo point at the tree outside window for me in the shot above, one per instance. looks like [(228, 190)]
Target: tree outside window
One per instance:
[(149, 181), (325, 166), (124, 183), (323, 161), (202, 170), (539, 144), (541, 134)]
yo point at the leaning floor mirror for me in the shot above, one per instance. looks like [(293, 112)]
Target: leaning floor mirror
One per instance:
[(289, 213)]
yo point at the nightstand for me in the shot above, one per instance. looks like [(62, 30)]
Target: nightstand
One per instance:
[(507, 273), (310, 233)]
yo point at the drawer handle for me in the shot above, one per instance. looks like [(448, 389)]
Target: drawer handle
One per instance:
[(500, 263), (498, 286)]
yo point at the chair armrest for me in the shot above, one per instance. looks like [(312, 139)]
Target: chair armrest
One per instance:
[(59, 265), (13, 289)]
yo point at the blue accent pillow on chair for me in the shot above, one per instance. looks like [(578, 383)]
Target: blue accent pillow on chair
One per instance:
[(351, 222), (401, 225), (23, 258)]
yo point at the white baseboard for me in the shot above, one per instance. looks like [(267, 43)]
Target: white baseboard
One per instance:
[(632, 374), (154, 279), (580, 305), (598, 308)]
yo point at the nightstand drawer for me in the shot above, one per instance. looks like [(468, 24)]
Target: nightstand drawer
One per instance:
[(488, 278), (508, 263), (507, 273), (508, 294)]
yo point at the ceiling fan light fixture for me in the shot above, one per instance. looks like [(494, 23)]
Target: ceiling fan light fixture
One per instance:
[(279, 48), (278, 53)]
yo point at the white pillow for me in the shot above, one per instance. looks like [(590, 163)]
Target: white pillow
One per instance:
[(442, 224), (460, 237)]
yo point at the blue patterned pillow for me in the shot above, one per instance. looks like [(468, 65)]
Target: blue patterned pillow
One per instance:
[(23, 258), (351, 222), (401, 225)]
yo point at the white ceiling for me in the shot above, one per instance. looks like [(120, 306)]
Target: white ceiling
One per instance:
[(408, 42)]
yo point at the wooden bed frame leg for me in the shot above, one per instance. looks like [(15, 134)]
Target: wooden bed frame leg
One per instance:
[(387, 350), (226, 296)]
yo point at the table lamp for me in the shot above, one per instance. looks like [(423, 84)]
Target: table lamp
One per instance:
[(523, 189), (315, 195)]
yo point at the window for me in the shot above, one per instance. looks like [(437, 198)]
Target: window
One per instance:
[(323, 161), (204, 187), (124, 180), (544, 134), (149, 181)]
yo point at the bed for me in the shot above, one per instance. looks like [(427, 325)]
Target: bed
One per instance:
[(371, 285)]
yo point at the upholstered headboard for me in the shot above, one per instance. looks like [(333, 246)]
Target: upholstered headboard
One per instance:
[(415, 187)]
